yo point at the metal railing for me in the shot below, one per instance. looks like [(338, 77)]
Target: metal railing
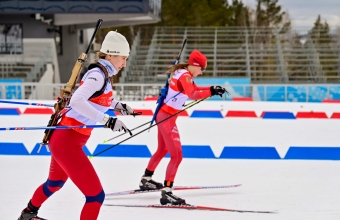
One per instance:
[(264, 55)]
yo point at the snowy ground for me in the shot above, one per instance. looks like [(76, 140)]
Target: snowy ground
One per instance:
[(296, 189)]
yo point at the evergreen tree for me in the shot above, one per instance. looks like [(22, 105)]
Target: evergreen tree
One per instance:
[(320, 32), (321, 40), (240, 14), (268, 13), (266, 22)]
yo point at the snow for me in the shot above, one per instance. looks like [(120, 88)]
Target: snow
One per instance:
[(297, 189)]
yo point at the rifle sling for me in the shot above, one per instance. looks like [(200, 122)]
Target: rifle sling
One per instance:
[(107, 78)]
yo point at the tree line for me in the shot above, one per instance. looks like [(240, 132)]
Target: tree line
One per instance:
[(218, 13), (267, 15)]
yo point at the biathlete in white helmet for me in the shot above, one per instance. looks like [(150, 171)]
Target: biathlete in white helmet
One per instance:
[(88, 106), (181, 87)]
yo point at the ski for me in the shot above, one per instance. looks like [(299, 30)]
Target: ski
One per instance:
[(139, 191), (190, 207)]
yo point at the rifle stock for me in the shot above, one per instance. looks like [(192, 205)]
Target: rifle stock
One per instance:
[(66, 93)]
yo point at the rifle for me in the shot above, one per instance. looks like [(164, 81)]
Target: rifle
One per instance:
[(164, 90), (66, 93)]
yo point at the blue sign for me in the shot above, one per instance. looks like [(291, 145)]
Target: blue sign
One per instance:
[(308, 93), (11, 91), (238, 87)]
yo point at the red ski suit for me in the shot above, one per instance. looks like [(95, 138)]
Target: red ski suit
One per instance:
[(68, 159), (168, 134)]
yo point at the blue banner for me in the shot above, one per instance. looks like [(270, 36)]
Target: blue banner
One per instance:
[(11, 91), (237, 87)]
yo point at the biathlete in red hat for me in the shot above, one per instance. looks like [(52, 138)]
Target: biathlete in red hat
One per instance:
[(181, 87)]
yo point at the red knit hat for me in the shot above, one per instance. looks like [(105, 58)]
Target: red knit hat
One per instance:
[(197, 58)]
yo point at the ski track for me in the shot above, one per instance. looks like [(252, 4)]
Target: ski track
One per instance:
[(297, 189)]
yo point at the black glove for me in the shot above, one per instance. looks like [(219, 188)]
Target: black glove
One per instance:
[(217, 90), (116, 125)]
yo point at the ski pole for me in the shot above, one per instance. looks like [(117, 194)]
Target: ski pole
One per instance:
[(49, 105), (189, 104), (26, 103), (195, 102), (125, 133), (51, 127)]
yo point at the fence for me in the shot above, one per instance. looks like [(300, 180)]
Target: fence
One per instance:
[(264, 55)]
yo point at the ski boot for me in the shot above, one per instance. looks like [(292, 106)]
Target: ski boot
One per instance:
[(27, 215), (169, 198), (147, 183)]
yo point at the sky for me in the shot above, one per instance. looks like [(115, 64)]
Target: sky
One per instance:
[(303, 13)]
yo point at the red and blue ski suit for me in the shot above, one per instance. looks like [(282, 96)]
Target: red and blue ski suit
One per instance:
[(181, 87), (68, 159)]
